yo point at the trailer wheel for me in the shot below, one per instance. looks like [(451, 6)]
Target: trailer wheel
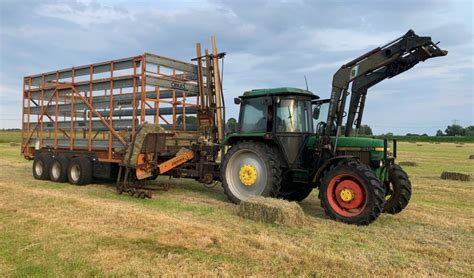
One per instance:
[(294, 194), (80, 171), (351, 193), (41, 166), (250, 169), (398, 190), (58, 169)]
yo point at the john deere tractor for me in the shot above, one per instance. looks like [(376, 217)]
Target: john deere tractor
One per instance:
[(289, 141)]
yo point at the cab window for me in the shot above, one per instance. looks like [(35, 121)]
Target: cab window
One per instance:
[(293, 116), (254, 116)]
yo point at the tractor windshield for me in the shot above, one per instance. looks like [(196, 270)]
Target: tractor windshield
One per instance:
[(294, 115)]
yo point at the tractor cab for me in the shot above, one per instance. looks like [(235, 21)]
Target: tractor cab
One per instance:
[(283, 115)]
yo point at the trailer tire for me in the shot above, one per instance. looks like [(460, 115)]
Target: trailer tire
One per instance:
[(398, 190), (59, 168), (351, 193), (80, 171), (41, 166), (250, 169)]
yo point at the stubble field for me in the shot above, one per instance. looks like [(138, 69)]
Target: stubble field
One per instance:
[(51, 229)]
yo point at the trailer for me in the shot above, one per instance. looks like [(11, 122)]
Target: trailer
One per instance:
[(128, 120)]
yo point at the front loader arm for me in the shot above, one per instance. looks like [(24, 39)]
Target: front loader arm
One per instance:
[(369, 69)]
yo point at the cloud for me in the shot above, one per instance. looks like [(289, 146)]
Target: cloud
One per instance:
[(84, 13), (269, 44), (348, 40)]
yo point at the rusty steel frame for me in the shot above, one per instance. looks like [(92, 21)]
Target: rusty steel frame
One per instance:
[(74, 94)]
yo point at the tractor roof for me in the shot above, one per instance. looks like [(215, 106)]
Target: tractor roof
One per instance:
[(278, 91)]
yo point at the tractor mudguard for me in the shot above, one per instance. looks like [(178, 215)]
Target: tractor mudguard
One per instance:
[(329, 162)]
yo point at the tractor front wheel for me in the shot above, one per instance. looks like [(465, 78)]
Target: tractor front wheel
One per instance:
[(351, 193), (398, 190), (250, 169)]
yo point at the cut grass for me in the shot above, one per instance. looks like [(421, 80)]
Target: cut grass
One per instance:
[(50, 229)]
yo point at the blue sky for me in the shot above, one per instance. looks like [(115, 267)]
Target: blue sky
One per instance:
[(268, 44)]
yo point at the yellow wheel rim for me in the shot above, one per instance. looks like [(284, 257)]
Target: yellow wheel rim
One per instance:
[(248, 174), (346, 195)]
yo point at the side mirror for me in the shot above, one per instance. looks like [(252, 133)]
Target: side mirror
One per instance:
[(237, 100), (316, 112)]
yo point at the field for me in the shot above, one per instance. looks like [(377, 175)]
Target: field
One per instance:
[(49, 229)]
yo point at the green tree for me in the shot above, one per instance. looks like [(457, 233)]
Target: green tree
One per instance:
[(231, 125), (189, 119), (439, 133), (454, 130), (469, 130), (365, 130)]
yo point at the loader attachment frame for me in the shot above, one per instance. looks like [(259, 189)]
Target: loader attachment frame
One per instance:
[(369, 69)]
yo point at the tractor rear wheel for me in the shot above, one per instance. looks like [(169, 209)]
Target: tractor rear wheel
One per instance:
[(351, 193), (250, 169), (41, 166), (294, 193), (398, 190)]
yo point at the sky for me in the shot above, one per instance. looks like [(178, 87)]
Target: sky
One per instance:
[(268, 44)]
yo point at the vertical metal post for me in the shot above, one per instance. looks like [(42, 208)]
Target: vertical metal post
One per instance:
[(174, 104), (89, 132), (111, 107), (157, 102), (29, 104), (217, 86), (200, 79), (184, 111), (394, 148), (134, 97), (142, 114), (56, 113), (23, 116), (41, 105), (73, 115)]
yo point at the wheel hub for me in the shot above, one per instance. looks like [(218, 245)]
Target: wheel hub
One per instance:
[(248, 174), (347, 195)]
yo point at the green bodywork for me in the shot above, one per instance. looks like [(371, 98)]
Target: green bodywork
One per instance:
[(373, 146), (278, 91), (343, 144)]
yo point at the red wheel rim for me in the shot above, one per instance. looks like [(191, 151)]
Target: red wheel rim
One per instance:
[(346, 195)]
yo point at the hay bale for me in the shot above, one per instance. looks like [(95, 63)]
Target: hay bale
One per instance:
[(455, 176), (13, 144), (408, 163), (419, 145), (471, 156), (458, 146), (270, 210)]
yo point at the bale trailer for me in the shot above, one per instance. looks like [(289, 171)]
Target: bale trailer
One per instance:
[(127, 120)]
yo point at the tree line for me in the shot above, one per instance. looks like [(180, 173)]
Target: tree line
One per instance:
[(451, 130)]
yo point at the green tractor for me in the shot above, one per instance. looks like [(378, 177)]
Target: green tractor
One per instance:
[(290, 142)]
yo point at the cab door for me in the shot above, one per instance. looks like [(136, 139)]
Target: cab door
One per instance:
[(292, 126)]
